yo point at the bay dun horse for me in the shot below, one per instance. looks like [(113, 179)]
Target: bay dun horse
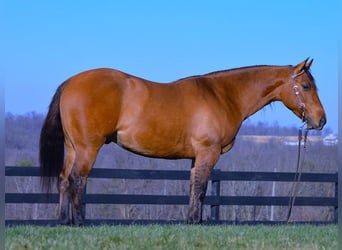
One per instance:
[(196, 118)]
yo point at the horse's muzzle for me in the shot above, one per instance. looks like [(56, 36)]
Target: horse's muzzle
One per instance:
[(318, 126)]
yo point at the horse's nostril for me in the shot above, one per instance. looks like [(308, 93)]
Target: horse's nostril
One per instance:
[(322, 122)]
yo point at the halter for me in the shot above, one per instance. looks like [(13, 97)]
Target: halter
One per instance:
[(295, 88)]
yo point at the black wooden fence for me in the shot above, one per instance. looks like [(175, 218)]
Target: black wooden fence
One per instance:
[(214, 199)]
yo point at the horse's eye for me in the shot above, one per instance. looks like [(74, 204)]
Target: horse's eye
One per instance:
[(306, 87)]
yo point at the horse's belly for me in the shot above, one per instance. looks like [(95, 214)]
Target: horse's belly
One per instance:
[(153, 145)]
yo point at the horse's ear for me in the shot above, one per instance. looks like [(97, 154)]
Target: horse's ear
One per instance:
[(301, 66), (308, 64)]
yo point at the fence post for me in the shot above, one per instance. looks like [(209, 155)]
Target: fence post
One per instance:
[(215, 193), (84, 202), (336, 206)]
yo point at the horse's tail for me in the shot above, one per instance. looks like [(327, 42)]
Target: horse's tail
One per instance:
[(51, 144)]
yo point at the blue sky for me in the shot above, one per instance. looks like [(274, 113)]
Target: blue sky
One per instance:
[(45, 42)]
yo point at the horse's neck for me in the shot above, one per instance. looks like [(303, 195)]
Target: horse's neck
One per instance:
[(250, 91)]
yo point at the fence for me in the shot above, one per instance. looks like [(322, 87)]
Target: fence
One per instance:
[(214, 199)]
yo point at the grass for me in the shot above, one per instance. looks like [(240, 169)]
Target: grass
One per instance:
[(172, 237)]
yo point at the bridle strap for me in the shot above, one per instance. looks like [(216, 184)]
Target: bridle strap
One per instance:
[(295, 89), (301, 104), (299, 170), (294, 76)]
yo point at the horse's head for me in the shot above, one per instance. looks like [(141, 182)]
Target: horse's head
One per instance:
[(300, 95)]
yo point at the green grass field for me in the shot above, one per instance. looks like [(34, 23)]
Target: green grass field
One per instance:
[(173, 237)]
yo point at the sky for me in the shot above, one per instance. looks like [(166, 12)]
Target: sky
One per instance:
[(45, 42)]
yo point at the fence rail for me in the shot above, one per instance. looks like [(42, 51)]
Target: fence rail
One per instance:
[(214, 199)]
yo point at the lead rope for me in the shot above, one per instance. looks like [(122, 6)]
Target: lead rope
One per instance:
[(299, 170)]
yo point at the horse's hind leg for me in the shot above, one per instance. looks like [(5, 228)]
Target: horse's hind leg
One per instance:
[(64, 184), (85, 158)]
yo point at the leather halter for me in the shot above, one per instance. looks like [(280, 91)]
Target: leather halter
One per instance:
[(295, 88)]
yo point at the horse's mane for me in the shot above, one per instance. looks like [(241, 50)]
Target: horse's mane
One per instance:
[(312, 79), (230, 70)]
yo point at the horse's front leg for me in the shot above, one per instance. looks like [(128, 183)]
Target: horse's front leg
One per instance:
[(200, 172)]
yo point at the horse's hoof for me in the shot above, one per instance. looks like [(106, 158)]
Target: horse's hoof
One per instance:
[(64, 222), (191, 221), (77, 222)]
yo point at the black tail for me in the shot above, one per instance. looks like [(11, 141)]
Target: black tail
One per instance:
[(51, 144)]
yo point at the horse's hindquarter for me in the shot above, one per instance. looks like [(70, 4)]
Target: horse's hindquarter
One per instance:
[(90, 105)]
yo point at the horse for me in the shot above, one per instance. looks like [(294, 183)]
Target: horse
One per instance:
[(195, 118)]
